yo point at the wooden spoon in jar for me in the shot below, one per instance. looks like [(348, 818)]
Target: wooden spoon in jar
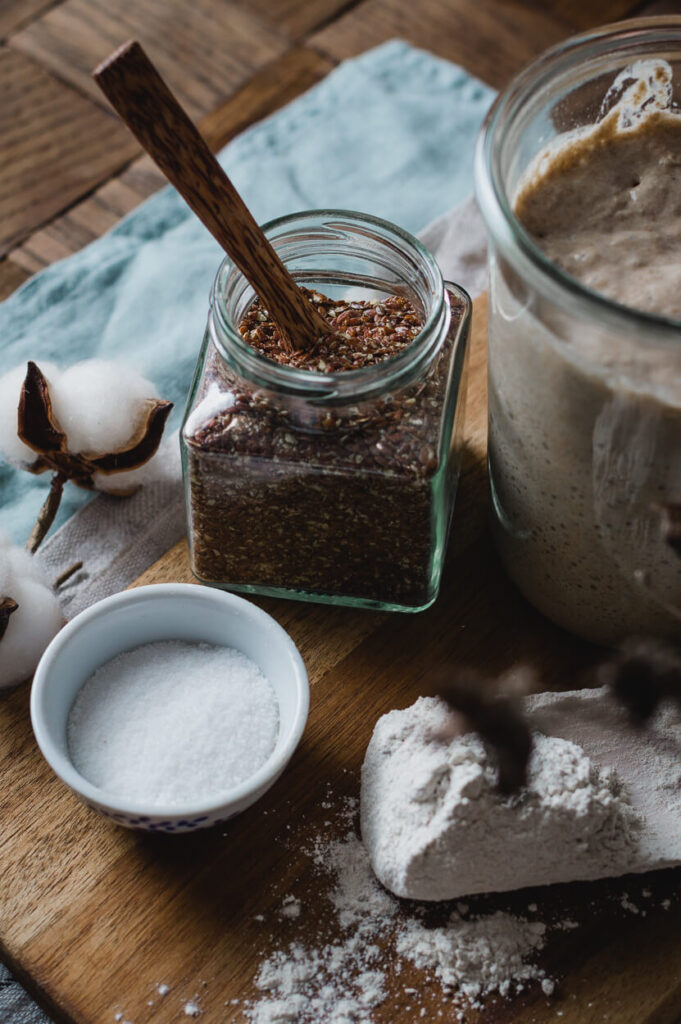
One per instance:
[(145, 103)]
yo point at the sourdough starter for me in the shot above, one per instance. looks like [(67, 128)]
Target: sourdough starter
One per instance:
[(585, 420)]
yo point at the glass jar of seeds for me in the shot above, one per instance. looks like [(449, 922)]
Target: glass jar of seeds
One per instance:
[(329, 474)]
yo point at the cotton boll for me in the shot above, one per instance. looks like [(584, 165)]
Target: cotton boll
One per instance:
[(128, 482), (166, 464), (22, 565), (11, 447), (29, 630), (100, 405), (5, 571), (17, 563), (5, 574)]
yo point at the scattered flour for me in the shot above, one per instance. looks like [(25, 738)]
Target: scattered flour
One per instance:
[(290, 908), (342, 982), (436, 827), (483, 955)]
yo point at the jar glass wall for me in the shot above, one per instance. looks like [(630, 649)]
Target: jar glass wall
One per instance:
[(339, 486), (584, 393)]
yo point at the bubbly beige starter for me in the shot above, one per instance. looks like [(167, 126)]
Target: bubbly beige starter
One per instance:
[(585, 420), (607, 210)]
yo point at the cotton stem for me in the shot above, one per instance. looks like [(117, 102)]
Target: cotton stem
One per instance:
[(67, 574), (47, 513)]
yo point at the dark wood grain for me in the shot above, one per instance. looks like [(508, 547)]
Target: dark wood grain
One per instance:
[(16, 13), (208, 48), (298, 17), (144, 102), (12, 275), (492, 39), (55, 146), (587, 15)]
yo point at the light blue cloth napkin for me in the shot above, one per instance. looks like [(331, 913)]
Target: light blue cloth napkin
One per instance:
[(390, 133)]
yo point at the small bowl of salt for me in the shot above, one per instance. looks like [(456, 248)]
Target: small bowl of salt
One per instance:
[(170, 707)]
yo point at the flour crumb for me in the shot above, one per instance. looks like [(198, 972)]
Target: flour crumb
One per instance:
[(548, 986), (487, 954), (566, 925), (628, 904), (163, 990), (666, 904), (291, 907), (191, 1010)]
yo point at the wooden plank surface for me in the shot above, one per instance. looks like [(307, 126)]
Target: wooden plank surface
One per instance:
[(55, 144), (139, 909), (492, 39), (206, 48), (15, 13)]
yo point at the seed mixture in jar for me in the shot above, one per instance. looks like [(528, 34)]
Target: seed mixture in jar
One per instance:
[(326, 500), (362, 333)]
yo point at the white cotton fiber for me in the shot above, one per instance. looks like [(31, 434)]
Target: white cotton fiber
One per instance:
[(37, 619), (23, 565), (11, 447), (4, 573), (29, 630), (100, 405)]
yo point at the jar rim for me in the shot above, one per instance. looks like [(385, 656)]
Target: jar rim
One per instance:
[(500, 219), (346, 383)]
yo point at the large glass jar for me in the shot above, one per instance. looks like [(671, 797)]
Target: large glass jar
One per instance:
[(584, 393), (334, 487)]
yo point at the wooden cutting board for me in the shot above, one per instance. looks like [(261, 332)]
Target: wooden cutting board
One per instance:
[(93, 917)]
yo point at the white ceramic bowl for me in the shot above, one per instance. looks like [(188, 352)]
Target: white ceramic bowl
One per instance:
[(168, 611)]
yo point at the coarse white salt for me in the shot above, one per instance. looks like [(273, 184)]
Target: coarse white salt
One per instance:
[(173, 723)]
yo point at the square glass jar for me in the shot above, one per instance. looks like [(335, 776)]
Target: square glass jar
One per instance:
[(333, 487)]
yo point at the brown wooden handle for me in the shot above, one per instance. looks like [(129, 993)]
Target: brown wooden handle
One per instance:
[(143, 100)]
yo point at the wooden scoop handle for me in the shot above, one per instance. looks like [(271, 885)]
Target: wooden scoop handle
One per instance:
[(143, 100)]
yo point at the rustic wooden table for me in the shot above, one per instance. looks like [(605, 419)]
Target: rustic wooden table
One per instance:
[(68, 172)]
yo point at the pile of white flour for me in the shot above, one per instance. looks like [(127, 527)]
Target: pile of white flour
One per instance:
[(436, 828), (342, 981)]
